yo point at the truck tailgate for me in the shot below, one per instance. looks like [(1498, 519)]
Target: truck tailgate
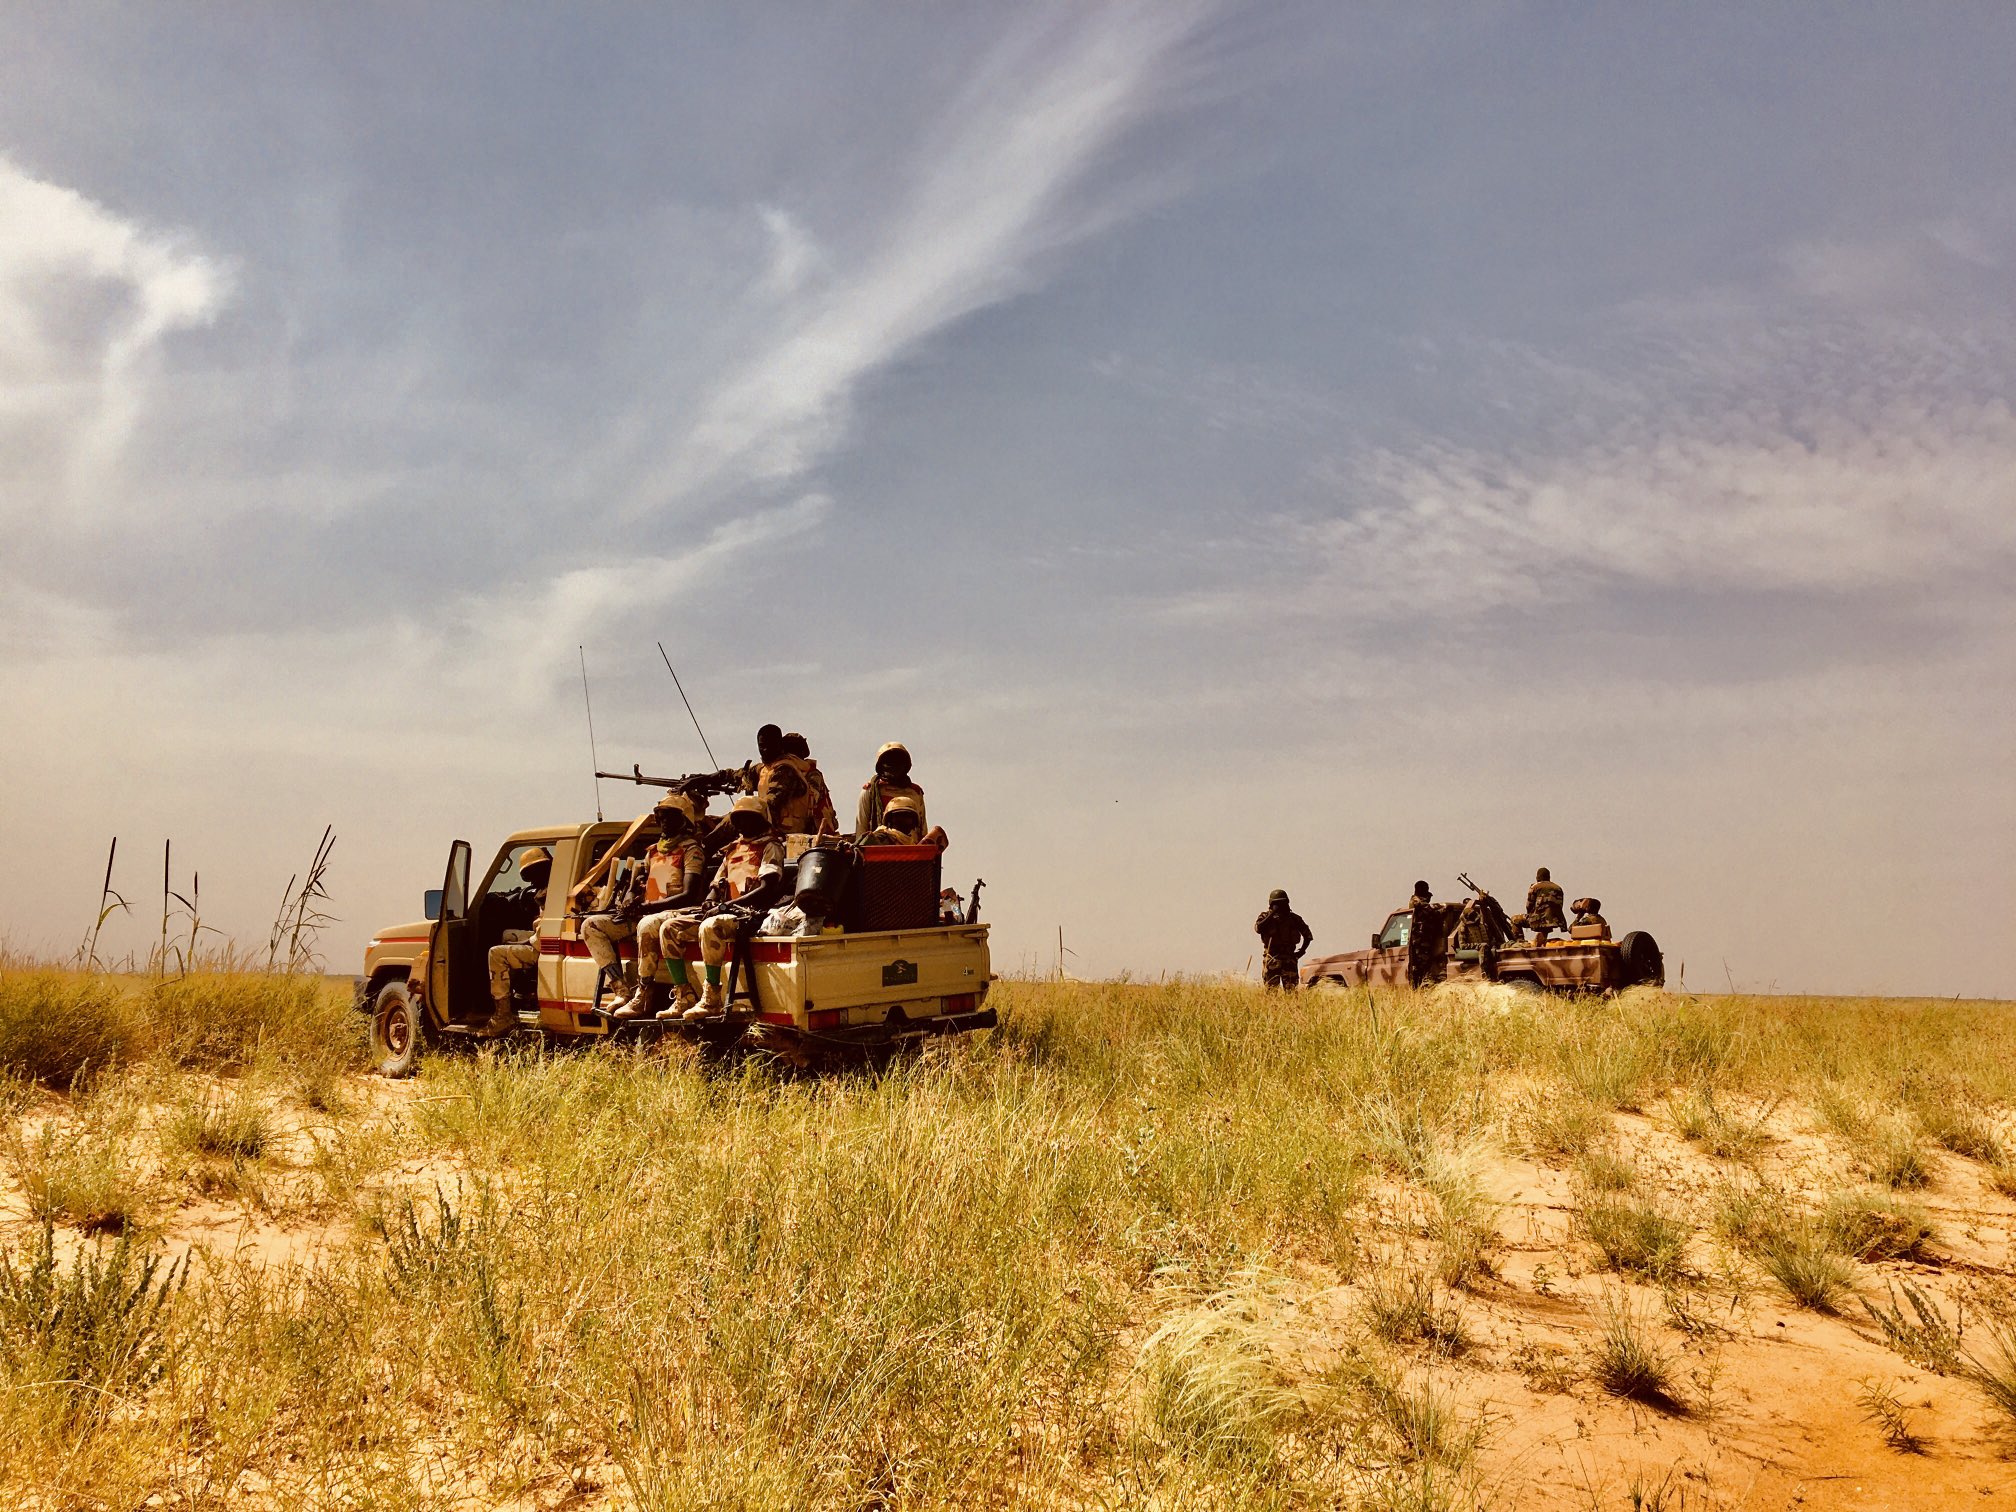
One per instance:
[(842, 971)]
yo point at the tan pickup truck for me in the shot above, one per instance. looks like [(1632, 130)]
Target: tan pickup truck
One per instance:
[(847, 993), (1473, 941)]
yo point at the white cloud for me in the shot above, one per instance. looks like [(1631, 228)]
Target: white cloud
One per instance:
[(86, 299), (988, 197)]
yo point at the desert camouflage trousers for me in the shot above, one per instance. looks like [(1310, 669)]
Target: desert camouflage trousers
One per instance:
[(676, 933), (602, 933), (503, 958)]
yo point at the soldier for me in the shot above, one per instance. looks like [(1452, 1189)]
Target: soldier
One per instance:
[(784, 784), (825, 818), (1283, 939), (748, 882), (1543, 907), (891, 780), (902, 822), (521, 908), (682, 860), (657, 878)]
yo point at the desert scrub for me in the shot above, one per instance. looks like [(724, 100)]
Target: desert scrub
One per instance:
[(83, 1166), (86, 1329), (1627, 1360), (58, 1026), (1875, 1224), (225, 1021), (1634, 1236), (1700, 1118), (1214, 1381), (1801, 1256), (1559, 1124), (1404, 1307)]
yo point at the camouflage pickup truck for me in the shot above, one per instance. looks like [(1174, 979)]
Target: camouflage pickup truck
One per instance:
[(1473, 941), (886, 976)]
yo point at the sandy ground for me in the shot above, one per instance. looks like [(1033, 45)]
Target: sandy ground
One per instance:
[(1769, 1413)]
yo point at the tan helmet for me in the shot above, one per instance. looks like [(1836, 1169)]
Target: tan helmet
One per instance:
[(890, 748), (903, 803), (750, 803), (676, 801), (538, 855)]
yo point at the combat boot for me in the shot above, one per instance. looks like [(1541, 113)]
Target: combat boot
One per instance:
[(502, 1020), (646, 1005), (684, 998), (713, 1002)]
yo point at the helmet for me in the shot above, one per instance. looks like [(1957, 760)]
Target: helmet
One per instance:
[(675, 802), (537, 856), (1277, 896), (796, 745), (892, 748), (750, 803), (1421, 889), (1543, 875)]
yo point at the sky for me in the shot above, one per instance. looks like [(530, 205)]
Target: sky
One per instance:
[(1235, 447)]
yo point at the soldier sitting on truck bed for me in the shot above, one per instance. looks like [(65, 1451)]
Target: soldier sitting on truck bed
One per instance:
[(902, 824), (656, 875), (748, 882), (685, 866), (520, 948)]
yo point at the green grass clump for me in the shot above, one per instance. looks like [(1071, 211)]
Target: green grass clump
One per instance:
[(1404, 1307), (225, 1021), (1634, 1236), (57, 1026), (88, 1330), (1874, 1224), (1801, 1257), (1627, 1360), (85, 1170)]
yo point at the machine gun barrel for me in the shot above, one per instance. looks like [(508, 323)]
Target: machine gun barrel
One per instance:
[(725, 780), (1464, 878)]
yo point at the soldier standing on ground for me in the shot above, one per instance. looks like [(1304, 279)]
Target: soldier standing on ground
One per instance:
[(1283, 939), (522, 907)]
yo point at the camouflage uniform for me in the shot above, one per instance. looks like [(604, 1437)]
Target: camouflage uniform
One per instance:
[(1543, 907), (1283, 938), (742, 863), (785, 785), (875, 795), (687, 860), (520, 936), (825, 818), (602, 933)]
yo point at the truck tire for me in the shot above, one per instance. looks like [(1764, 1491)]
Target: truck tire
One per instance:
[(398, 1030), (1639, 955)]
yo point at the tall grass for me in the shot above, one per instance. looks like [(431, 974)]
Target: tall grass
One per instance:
[(1073, 1262)]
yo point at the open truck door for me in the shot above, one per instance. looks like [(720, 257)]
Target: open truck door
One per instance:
[(447, 939)]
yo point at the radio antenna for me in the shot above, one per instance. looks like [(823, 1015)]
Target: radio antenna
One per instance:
[(689, 708), (594, 761)]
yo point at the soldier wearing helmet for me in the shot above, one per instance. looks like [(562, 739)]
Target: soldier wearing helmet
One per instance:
[(748, 881), (677, 865), (902, 823), (891, 780), (652, 879), (520, 908), (1283, 938)]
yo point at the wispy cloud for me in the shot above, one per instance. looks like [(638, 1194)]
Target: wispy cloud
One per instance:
[(988, 196), (86, 298)]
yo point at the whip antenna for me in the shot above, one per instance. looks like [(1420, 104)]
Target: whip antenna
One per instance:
[(689, 707), (594, 761)]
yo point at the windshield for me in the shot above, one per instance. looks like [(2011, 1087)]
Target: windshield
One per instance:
[(1395, 932)]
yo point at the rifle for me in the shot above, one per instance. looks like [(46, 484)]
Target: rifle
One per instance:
[(1464, 878), (973, 904)]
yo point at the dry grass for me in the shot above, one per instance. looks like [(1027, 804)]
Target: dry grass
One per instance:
[(1079, 1261)]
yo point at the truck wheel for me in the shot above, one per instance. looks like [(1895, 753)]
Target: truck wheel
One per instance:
[(1639, 954), (398, 1030)]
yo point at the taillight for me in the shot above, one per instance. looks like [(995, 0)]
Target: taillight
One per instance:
[(825, 1018), (961, 1002)]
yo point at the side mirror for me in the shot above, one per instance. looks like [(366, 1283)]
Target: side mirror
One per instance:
[(433, 902), (1375, 938)]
